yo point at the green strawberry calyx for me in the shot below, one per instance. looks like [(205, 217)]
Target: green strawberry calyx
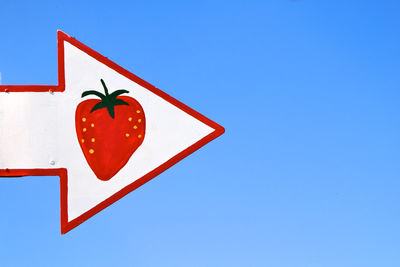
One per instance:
[(108, 101)]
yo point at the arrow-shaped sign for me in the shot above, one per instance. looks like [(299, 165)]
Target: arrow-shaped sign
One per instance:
[(102, 130)]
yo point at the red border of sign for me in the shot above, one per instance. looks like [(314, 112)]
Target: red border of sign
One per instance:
[(63, 174)]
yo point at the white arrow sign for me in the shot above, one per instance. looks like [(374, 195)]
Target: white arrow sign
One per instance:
[(103, 154)]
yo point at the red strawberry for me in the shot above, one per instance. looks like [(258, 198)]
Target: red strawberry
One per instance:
[(109, 130)]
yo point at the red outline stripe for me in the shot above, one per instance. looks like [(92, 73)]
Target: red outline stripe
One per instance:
[(65, 225)]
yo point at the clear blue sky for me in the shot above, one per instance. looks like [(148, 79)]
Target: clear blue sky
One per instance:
[(307, 173)]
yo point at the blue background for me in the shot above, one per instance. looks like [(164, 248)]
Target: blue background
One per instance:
[(307, 173)]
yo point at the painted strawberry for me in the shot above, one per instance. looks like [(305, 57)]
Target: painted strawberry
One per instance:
[(109, 130)]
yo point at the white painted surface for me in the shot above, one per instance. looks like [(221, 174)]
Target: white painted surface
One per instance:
[(28, 130), (36, 128)]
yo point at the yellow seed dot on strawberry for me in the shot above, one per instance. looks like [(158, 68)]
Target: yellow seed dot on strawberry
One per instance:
[(127, 135), (139, 136), (130, 119), (92, 125), (93, 140), (91, 151), (83, 119), (135, 127), (83, 140), (137, 111), (84, 129), (139, 120)]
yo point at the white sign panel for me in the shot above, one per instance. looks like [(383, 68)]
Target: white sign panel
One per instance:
[(103, 130)]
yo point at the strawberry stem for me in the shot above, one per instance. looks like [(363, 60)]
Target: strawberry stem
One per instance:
[(108, 101), (104, 86)]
